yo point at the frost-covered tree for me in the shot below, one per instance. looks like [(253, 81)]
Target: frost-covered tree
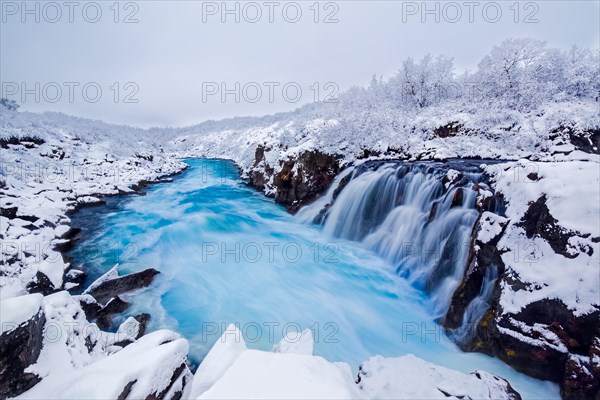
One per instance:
[(582, 73), (511, 72), (424, 82)]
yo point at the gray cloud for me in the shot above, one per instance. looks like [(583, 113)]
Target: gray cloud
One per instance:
[(174, 50)]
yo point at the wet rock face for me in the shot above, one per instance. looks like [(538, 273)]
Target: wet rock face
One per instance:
[(555, 336), (19, 348), (482, 256), (299, 181), (112, 288), (527, 350), (544, 340)]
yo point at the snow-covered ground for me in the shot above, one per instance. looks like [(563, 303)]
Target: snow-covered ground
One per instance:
[(230, 371)]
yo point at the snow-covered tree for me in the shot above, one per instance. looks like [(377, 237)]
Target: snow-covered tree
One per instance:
[(424, 82), (510, 73)]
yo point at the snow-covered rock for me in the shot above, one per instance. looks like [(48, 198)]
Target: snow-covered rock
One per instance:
[(18, 310), (152, 367), (409, 377), (231, 371), (546, 308)]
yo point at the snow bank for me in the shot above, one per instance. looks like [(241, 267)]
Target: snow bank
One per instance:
[(409, 377), (231, 371), (17, 310), (263, 375), (220, 357)]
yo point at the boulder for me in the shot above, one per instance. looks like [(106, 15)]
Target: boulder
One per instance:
[(104, 317), (20, 343), (41, 284), (111, 288)]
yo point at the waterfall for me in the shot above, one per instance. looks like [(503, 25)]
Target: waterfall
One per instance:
[(477, 307), (417, 216)]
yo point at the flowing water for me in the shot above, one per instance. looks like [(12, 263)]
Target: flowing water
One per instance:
[(228, 255), (418, 217)]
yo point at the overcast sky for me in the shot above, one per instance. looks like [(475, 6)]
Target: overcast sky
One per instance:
[(175, 57)]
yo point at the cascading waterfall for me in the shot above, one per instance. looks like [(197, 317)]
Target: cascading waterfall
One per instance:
[(418, 216), (477, 307)]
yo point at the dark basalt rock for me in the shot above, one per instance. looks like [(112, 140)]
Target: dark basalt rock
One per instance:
[(538, 221), (449, 130), (114, 287), (300, 181), (126, 390), (433, 212), (540, 357), (143, 320), (22, 140), (176, 375), (545, 339), (90, 309), (588, 141), (70, 238), (41, 284), (458, 198), (8, 212), (104, 318), (19, 348), (343, 182), (75, 276), (579, 382), (540, 360)]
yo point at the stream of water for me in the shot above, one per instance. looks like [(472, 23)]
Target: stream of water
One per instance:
[(228, 255)]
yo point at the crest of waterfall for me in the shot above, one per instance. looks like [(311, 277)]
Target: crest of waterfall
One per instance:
[(419, 217)]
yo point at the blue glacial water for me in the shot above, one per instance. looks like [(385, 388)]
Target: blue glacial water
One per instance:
[(229, 255)]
